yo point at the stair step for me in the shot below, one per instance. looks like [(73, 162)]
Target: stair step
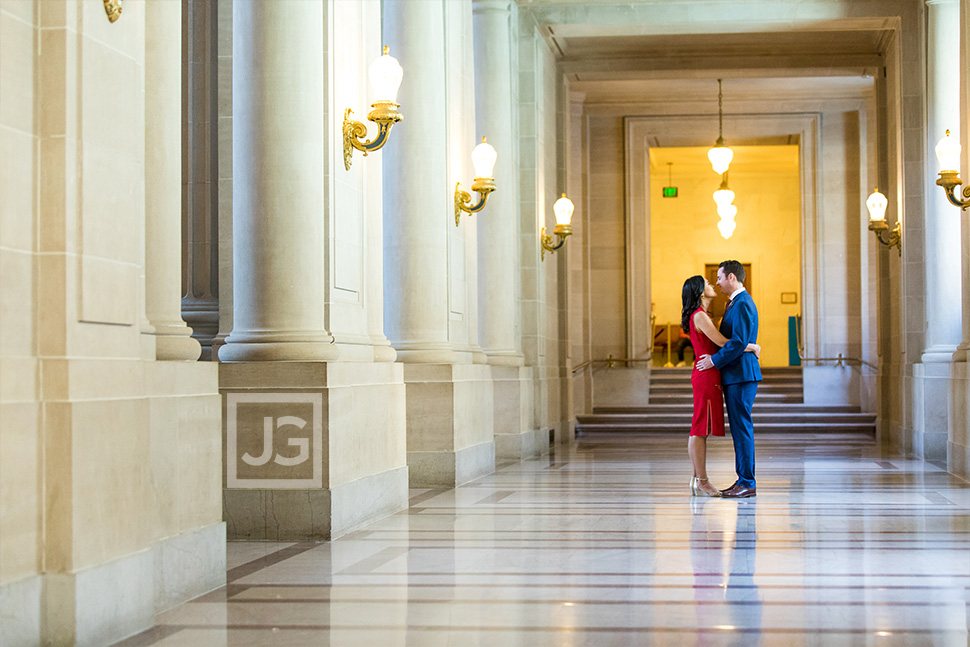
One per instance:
[(661, 389), (665, 398), (863, 428), (766, 418), (759, 407), (765, 370)]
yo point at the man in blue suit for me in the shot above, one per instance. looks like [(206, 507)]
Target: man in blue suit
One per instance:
[(740, 373)]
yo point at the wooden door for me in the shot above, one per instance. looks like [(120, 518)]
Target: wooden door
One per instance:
[(720, 301)]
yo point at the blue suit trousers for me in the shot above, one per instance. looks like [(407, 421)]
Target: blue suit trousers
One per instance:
[(739, 399)]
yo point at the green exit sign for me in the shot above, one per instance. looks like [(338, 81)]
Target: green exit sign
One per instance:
[(670, 192)]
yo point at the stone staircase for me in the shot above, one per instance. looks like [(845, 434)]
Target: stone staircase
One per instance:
[(779, 408)]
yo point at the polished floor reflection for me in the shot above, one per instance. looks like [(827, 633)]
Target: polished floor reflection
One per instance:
[(600, 544)]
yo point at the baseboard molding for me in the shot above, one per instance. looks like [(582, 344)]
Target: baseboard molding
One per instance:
[(451, 468), (106, 603), (368, 499), (189, 565), (316, 514), (517, 446), (20, 612), (100, 605)]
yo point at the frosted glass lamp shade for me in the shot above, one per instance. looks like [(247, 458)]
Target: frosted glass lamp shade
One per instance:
[(727, 211), (726, 227), (720, 157), (876, 204), (563, 210), (948, 153), (723, 197), (385, 77), (483, 159)]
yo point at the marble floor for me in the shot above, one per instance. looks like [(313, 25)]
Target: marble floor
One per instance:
[(599, 543)]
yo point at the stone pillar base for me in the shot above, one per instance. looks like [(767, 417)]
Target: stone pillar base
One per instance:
[(314, 514), (515, 436), (106, 603), (451, 468), (175, 342), (958, 434), (450, 416), (931, 392), (336, 458)]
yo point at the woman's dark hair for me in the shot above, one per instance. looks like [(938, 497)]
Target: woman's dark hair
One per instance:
[(693, 291)]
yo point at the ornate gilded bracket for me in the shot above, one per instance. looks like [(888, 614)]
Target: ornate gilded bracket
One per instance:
[(384, 114), (950, 180), (895, 235), (113, 9), (463, 200), (562, 231)]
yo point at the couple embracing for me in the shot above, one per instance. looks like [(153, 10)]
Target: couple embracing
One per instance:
[(726, 371)]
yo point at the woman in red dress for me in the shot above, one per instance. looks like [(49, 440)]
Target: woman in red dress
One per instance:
[(708, 399)]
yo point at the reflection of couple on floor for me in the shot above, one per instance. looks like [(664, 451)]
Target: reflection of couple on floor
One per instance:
[(727, 371), (728, 601)]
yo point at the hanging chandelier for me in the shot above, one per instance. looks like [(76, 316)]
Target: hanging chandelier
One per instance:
[(724, 198), (720, 155)]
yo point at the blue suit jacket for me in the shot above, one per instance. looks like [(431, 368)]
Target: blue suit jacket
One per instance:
[(740, 326)]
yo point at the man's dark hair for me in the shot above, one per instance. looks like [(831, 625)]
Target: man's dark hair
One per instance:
[(733, 267)]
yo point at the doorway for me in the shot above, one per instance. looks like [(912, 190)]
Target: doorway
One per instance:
[(719, 305)]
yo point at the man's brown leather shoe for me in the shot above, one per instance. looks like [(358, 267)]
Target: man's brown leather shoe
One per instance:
[(733, 486), (739, 492)]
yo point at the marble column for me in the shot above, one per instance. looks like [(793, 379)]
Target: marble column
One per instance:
[(497, 253), (279, 250), (958, 431), (449, 399), (200, 209), (416, 190), (942, 225), (163, 143), (963, 351)]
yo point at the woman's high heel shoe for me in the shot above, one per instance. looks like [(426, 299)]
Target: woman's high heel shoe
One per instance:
[(696, 488), (693, 486)]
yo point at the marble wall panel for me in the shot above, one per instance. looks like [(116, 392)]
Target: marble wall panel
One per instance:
[(20, 492), (110, 488), (365, 439)]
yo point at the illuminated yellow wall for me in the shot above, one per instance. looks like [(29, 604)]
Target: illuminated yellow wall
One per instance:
[(684, 234)]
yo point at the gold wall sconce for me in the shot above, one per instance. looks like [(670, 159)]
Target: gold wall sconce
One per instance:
[(564, 213), (483, 159), (385, 76), (113, 9), (948, 153), (876, 204)]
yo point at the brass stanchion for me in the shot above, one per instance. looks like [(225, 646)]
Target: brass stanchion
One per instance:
[(669, 364)]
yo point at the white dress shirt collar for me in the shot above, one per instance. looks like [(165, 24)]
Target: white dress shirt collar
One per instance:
[(736, 293)]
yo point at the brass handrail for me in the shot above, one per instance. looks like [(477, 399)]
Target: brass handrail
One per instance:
[(838, 360), (609, 361)]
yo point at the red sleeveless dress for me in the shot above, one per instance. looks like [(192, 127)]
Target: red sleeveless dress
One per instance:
[(708, 398)]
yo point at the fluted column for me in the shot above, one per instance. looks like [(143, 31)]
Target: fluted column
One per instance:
[(279, 256), (942, 224), (497, 231), (163, 143), (200, 209), (416, 190), (963, 351)]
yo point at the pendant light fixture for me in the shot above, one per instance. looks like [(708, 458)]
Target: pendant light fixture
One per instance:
[(720, 155), (724, 197)]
